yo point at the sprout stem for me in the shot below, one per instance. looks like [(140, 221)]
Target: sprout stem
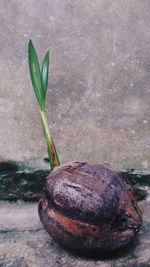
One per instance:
[(52, 154)]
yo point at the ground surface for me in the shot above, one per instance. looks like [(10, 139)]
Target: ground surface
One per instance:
[(24, 242)]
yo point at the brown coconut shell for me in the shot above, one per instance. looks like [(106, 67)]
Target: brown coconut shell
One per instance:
[(88, 208)]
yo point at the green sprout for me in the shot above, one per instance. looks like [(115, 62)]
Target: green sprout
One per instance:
[(39, 78)]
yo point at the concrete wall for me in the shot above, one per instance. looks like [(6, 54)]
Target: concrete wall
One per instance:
[(99, 91)]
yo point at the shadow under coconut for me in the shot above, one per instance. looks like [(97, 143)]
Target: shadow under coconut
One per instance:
[(102, 255)]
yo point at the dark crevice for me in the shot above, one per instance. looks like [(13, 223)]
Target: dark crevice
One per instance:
[(5, 231)]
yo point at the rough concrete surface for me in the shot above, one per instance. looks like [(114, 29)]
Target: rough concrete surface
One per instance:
[(24, 242), (99, 96)]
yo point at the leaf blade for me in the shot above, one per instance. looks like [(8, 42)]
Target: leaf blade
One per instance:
[(35, 75), (44, 73)]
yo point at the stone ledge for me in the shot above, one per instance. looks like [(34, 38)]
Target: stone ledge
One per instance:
[(20, 181)]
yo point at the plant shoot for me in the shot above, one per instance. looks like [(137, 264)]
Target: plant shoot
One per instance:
[(39, 78)]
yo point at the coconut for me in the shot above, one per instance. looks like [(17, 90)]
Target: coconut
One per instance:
[(88, 207)]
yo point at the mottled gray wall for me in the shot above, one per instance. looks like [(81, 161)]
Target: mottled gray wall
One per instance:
[(99, 92)]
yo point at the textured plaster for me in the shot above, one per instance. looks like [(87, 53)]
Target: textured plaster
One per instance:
[(99, 96)]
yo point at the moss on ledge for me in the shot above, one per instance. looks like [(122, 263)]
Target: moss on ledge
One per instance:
[(21, 181)]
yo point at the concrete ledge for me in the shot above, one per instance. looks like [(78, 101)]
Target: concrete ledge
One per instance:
[(24, 242)]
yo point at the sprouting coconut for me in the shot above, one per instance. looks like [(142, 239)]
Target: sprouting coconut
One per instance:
[(87, 207)]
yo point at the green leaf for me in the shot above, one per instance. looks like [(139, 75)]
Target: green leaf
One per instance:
[(44, 73), (36, 75)]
